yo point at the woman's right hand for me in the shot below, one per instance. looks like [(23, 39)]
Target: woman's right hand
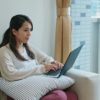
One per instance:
[(49, 67)]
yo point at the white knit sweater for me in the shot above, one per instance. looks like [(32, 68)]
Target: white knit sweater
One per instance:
[(13, 69)]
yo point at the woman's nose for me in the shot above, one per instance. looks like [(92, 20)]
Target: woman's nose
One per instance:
[(29, 33)]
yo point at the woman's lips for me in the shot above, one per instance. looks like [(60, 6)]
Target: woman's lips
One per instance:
[(27, 38)]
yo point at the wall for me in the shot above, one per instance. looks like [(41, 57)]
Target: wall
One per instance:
[(42, 13)]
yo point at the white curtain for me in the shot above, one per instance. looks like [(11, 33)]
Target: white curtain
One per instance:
[(95, 59), (99, 48)]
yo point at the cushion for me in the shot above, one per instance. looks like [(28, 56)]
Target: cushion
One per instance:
[(34, 87)]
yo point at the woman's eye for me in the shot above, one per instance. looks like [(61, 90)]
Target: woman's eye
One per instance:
[(26, 30)]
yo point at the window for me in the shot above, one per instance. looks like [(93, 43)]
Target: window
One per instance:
[(82, 31)]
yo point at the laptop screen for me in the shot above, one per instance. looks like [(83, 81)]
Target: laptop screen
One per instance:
[(70, 60)]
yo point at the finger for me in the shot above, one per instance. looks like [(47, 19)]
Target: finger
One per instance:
[(56, 67), (52, 69), (60, 65)]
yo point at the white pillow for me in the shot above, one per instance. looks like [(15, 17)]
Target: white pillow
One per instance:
[(34, 87)]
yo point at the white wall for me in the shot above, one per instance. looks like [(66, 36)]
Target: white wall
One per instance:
[(42, 14)]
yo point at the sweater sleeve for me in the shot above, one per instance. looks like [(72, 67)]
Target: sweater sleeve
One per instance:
[(9, 71), (42, 57)]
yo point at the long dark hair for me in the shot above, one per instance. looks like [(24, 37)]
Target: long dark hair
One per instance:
[(8, 37)]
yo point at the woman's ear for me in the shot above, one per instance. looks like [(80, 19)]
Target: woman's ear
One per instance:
[(14, 32)]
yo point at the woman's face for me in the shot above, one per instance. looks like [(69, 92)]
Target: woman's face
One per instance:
[(23, 33)]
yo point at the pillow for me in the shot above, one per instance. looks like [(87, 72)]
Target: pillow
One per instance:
[(34, 87)]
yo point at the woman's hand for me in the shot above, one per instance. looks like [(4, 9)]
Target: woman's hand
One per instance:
[(49, 67), (53, 66), (58, 64)]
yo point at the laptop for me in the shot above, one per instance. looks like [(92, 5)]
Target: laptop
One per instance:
[(68, 63)]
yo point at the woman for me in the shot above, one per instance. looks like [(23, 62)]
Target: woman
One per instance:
[(18, 60)]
